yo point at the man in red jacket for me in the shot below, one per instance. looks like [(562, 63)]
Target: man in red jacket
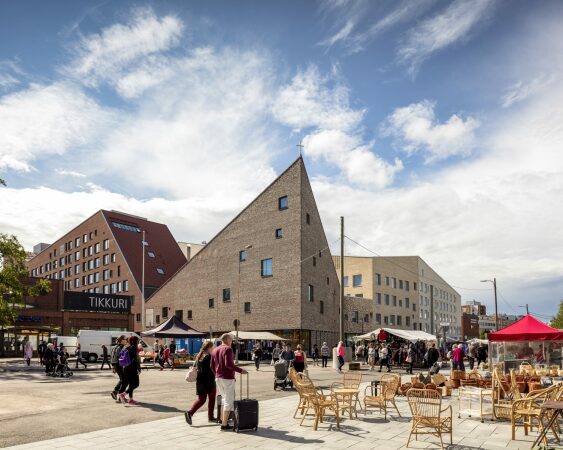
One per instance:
[(223, 366)]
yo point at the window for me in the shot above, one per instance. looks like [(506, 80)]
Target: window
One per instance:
[(211, 303), (85, 252), (90, 264), (355, 316), (125, 285), (266, 269), (400, 303), (106, 244), (138, 317), (160, 271), (378, 279), (97, 277), (360, 295), (97, 263), (105, 260), (407, 321), (308, 218), (377, 318), (247, 307), (392, 319), (322, 307), (157, 319), (165, 312), (378, 296), (118, 271), (76, 282), (113, 257), (76, 256), (279, 233), (393, 282), (345, 281), (90, 250), (282, 202), (150, 254), (242, 255), (400, 284), (105, 275), (97, 248), (399, 320), (311, 293), (386, 280), (125, 227), (77, 269), (77, 242), (386, 320), (387, 299), (314, 261), (407, 303), (113, 288), (90, 278), (357, 280), (327, 280), (119, 286), (227, 294), (85, 238), (394, 300), (406, 285)]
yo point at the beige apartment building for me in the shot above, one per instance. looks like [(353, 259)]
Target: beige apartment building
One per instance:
[(405, 292), (270, 268)]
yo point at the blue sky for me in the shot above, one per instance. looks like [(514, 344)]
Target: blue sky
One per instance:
[(433, 127)]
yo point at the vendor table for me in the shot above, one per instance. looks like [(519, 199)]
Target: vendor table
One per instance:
[(475, 401), (557, 408), (347, 399)]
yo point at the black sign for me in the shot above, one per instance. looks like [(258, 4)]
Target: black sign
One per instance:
[(86, 301)]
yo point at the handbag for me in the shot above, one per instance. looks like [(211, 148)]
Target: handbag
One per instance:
[(191, 376)]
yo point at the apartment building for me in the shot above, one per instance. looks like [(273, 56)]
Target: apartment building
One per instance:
[(104, 254), (474, 307), (407, 293), (270, 268)]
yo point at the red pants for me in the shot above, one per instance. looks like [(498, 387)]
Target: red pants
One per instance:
[(201, 401)]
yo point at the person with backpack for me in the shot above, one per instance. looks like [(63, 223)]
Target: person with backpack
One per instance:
[(116, 368), (205, 387), (130, 363), (300, 361)]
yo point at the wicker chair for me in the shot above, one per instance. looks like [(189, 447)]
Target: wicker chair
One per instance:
[(427, 414), (528, 410), (389, 385), (299, 379), (349, 380), (504, 396), (319, 403)]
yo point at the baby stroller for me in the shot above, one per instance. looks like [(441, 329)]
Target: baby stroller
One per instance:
[(60, 368), (281, 374)]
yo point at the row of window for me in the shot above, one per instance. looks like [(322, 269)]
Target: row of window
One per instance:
[(112, 288), (391, 300), (67, 246)]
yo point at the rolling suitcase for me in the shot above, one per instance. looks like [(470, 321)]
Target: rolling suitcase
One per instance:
[(246, 411)]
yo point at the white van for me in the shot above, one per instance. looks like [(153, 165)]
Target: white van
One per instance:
[(91, 342), (69, 343)]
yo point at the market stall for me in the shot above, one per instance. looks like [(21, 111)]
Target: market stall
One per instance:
[(408, 335), (527, 340)]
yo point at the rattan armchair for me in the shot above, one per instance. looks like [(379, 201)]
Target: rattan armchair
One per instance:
[(428, 417), (319, 403), (505, 391), (299, 379), (349, 380), (389, 385)]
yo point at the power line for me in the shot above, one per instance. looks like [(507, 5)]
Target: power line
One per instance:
[(441, 282), (506, 302)]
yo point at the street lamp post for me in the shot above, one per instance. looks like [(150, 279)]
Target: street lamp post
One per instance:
[(237, 321), (494, 281)]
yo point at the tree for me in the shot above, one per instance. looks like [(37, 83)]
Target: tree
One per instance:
[(557, 321), (2, 182), (13, 275)]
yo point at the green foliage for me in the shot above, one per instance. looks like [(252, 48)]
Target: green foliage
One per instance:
[(557, 321), (482, 334), (13, 275)]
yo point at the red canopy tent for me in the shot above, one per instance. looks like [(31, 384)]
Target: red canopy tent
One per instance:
[(528, 328)]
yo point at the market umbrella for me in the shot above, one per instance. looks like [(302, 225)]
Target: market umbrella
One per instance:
[(173, 328), (528, 328)]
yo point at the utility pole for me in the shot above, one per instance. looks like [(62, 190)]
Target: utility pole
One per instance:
[(496, 304), (143, 286), (341, 279)]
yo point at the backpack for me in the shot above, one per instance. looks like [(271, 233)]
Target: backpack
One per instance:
[(124, 358), (115, 353)]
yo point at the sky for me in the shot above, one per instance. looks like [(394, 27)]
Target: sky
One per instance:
[(435, 128)]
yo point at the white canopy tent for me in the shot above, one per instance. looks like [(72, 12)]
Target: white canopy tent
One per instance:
[(257, 336), (409, 335)]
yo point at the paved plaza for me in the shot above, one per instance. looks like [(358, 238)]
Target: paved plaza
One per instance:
[(277, 427)]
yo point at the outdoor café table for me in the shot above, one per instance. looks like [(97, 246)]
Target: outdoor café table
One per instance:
[(347, 399), (557, 408), (474, 400)]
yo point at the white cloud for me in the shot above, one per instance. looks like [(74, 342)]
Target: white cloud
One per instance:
[(453, 24), (110, 55), (520, 91), (70, 173), (47, 120), (10, 74), (416, 129)]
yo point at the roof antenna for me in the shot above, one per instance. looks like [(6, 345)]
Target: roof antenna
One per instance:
[(301, 147)]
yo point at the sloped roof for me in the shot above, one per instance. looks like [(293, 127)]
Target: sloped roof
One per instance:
[(173, 328), (528, 328), (168, 255)]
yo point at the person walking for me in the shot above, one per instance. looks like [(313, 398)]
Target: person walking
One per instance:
[(410, 358), (300, 362), (432, 355), (41, 352), (105, 358), (384, 358), (116, 368), (131, 364), (325, 351), (78, 354), (472, 355), (371, 356), (223, 366), (165, 358), (457, 356), (482, 354), (172, 348), (257, 355), (28, 352), (288, 354), (49, 358), (205, 386), (155, 350), (315, 355), (340, 355), (276, 352), (366, 353)]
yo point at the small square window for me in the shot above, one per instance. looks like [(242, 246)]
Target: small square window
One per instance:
[(160, 271), (279, 233), (165, 312), (190, 316), (266, 268), (345, 281), (247, 307), (211, 303), (282, 202), (227, 294), (311, 293), (357, 280), (242, 255), (308, 219), (322, 307)]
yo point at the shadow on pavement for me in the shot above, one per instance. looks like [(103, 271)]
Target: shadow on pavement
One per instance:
[(160, 408), (281, 435)]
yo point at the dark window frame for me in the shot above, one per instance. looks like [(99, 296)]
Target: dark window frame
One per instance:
[(283, 203)]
